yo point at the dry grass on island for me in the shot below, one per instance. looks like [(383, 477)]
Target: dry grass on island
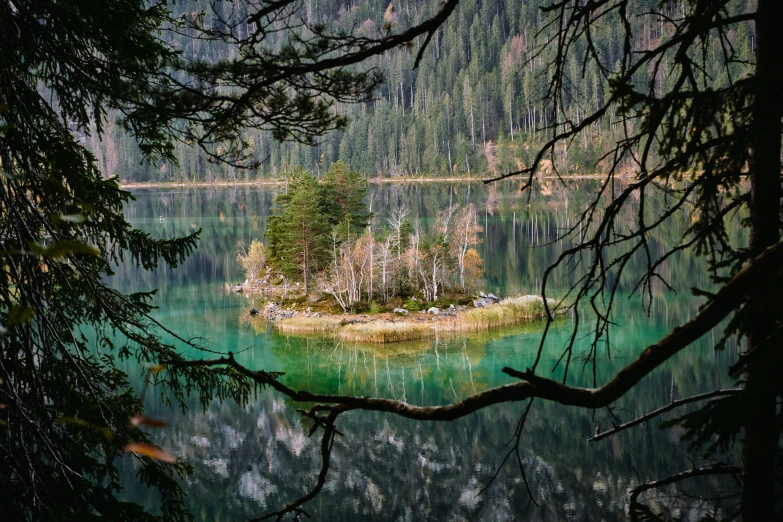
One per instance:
[(391, 328)]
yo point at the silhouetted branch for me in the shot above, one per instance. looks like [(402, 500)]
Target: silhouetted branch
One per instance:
[(636, 508), (723, 302), (728, 298), (662, 410), (516, 439), (327, 441), (288, 92)]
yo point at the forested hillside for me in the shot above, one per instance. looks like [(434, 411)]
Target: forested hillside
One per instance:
[(476, 105)]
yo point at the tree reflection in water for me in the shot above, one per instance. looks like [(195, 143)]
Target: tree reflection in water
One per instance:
[(256, 459)]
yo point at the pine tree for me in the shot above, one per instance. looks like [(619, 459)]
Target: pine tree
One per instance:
[(299, 232), (342, 195), (68, 409)]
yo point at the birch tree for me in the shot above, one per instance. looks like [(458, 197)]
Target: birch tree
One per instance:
[(465, 235)]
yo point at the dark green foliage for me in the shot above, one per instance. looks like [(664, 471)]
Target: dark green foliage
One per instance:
[(714, 427), (342, 196), (67, 407), (299, 231), (312, 218), (412, 305), (68, 68)]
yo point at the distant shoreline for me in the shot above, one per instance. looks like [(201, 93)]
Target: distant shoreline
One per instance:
[(277, 182)]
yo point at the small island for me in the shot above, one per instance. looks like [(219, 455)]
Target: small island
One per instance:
[(329, 268)]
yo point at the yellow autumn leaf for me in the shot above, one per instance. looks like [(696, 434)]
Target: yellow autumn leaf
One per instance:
[(74, 421)]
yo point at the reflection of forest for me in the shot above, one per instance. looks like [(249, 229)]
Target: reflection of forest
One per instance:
[(518, 229), (252, 459), (259, 457)]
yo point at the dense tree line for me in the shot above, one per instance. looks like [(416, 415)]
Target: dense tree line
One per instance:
[(474, 106)]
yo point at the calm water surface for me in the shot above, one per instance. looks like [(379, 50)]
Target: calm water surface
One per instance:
[(257, 458)]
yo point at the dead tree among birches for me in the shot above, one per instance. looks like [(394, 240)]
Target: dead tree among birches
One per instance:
[(367, 268), (463, 237)]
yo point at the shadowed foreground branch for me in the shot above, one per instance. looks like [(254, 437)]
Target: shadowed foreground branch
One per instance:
[(660, 411), (723, 302), (729, 298)]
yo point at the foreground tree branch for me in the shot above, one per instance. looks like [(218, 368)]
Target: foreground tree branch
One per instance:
[(723, 302), (636, 508), (327, 442), (662, 410), (729, 298), (287, 89)]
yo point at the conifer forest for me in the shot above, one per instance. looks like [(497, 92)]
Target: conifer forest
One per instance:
[(475, 104), (459, 260)]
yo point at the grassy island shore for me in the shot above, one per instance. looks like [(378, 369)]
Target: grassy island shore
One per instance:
[(391, 328)]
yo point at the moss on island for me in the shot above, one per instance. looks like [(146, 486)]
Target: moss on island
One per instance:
[(401, 327)]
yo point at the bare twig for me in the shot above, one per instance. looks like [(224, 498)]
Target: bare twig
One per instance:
[(327, 441), (662, 410), (636, 507)]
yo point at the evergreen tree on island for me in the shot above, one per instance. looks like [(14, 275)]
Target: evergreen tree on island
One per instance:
[(298, 234), (300, 230)]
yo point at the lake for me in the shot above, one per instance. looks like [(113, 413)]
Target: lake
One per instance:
[(249, 460)]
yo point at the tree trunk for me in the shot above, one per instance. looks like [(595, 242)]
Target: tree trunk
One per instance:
[(435, 278), (305, 267), (448, 144), (372, 266), (472, 129), (462, 251), (760, 433)]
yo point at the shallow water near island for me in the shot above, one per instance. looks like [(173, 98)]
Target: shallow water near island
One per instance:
[(249, 460)]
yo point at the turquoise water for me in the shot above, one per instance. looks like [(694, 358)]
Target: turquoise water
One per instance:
[(252, 459)]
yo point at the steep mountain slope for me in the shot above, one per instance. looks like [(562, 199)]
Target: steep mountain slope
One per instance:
[(475, 105)]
